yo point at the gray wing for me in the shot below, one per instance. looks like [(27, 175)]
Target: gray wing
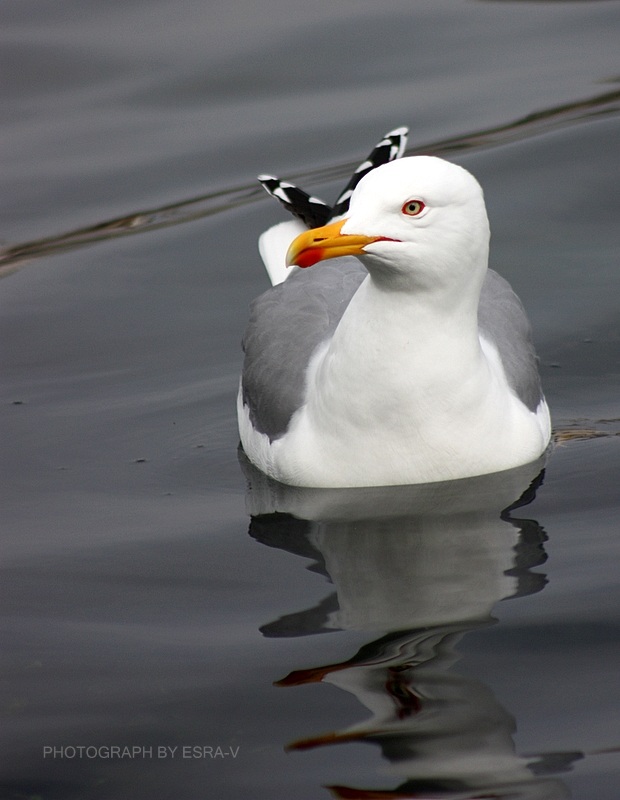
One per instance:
[(503, 322), (287, 323)]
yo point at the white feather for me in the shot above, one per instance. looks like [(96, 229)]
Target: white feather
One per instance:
[(272, 246), (406, 390)]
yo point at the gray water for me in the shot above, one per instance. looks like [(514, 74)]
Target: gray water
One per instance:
[(412, 642)]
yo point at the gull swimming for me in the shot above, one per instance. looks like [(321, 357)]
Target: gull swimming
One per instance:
[(388, 353)]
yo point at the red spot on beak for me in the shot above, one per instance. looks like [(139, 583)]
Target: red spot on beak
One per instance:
[(309, 258)]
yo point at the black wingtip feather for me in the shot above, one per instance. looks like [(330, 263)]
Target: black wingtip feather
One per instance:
[(310, 210), (391, 147), (314, 212)]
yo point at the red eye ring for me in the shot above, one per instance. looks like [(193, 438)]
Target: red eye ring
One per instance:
[(412, 208)]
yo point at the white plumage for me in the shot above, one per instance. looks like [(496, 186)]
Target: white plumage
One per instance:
[(421, 371)]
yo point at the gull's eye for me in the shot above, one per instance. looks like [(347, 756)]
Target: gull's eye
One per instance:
[(413, 207)]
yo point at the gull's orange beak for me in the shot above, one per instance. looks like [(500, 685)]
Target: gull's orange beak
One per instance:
[(326, 242)]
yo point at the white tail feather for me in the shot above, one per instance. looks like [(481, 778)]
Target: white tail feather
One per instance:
[(272, 246)]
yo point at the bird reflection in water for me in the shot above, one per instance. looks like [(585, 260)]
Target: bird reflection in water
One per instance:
[(424, 565)]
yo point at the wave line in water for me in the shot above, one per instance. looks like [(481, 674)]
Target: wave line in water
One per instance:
[(15, 256)]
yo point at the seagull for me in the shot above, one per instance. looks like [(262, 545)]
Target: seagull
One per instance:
[(401, 358)]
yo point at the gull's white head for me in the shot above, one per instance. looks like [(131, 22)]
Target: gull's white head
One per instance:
[(417, 223)]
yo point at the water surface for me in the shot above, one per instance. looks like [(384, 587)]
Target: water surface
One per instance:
[(407, 642)]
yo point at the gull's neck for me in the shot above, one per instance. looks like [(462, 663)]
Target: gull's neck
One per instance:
[(391, 339)]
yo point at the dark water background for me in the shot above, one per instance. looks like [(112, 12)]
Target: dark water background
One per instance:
[(137, 610)]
